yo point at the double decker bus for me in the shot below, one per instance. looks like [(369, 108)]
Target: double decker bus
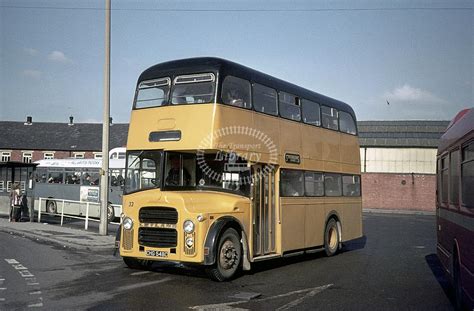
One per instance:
[(77, 181), (227, 166), (455, 206)]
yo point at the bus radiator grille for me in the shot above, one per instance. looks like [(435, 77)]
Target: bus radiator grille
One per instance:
[(157, 237), (127, 239), (158, 214)]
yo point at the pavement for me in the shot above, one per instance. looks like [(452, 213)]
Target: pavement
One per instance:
[(63, 237)]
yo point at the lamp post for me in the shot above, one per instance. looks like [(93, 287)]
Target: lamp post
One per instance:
[(104, 179)]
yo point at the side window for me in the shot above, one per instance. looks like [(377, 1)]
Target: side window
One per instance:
[(236, 92), (313, 184), (329, 118), (153, 93), (289, 106), (346, 123), (41, 175), (311, 112), (265, 99), (444, 180), (291, 183), (454, 177), (467, 173), (332, 185), (351, 186), (55, 176)]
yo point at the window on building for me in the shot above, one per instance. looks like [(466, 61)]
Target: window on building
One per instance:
[(313, 184), (236, 92), (311, 112), (78, 155), (351, 186), (346, 123), (332, 185), (27, 156), (467, 173), (291, 183), (329, 118), (2, 186), (289, 106), (265, 99), (6, 156), (49, 155)]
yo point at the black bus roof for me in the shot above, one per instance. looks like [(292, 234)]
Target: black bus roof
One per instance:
[(224, 67)]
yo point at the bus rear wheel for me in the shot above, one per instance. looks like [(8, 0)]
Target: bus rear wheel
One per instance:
[(228, 257), (110, 213), (51, 207), (331, 238)]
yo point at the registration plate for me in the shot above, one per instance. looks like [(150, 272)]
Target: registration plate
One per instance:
[(153, 253)]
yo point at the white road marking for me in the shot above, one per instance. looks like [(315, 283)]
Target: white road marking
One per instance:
[(11, 261), (3, 288), (38, 292), (25, 273), (296, 302), (36, 305), (140, 273), (32, 284), (19, 267), (226, 305), (2, 299), (138, 285)]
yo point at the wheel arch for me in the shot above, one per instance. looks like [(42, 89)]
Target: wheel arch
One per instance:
[(217, 228)]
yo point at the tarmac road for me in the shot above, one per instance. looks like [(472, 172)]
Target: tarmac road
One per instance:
[(393, 267)]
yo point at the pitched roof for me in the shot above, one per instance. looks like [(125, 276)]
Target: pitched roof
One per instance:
[(59, 136), (421, 134)]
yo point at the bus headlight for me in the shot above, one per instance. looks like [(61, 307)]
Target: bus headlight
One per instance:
[(188, 226), (189, 242), (127, 223)]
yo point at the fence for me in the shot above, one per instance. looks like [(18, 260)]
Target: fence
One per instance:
[(86, 217)]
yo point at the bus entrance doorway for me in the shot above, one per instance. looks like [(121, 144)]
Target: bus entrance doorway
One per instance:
[(263, 210)]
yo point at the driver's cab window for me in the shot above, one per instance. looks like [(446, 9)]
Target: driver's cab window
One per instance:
[(179, 170)]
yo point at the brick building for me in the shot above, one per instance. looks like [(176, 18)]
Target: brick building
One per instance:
[(398, 158), (398, 163), (32, 141)]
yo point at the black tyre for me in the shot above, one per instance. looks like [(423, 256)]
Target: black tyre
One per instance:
[(134, 263), (228, 257), (331, 238), (51, 207), (110, 213)]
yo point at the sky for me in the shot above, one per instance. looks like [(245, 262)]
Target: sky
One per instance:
[(389, 60)]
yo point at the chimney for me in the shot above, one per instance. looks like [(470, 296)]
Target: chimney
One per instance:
[(29, 120), (71, 120)]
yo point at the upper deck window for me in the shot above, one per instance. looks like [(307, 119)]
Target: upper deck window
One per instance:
[(329, 118), (311, 112), (265, 99), (289, 106), (194, 89), (153, 93), (236, 92), (346, 123)]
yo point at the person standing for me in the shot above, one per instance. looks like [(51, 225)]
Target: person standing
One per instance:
[(15, 203)]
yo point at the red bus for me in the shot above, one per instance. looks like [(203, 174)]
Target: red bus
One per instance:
[(455, 206)]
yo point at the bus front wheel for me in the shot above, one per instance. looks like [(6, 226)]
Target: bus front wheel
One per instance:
[(51, 207), (228, 257), (331, 238)]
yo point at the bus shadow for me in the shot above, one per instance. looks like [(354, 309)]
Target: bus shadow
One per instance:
[(285, 261), (438, 271)]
